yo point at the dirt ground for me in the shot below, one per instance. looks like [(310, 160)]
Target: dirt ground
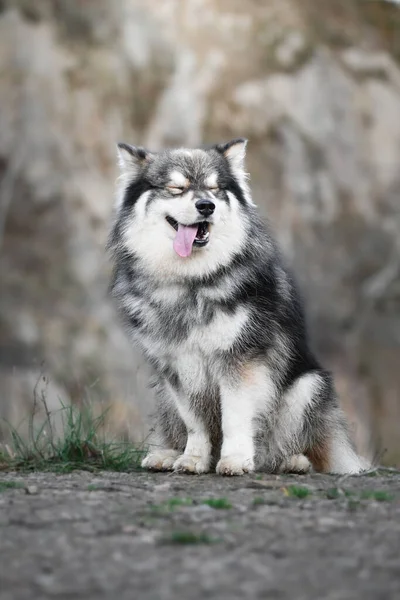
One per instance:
[(162, 536)]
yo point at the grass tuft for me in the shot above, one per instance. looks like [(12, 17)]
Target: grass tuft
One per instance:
[(172, 502), (10, 485), (218, 503), (188, 538), (92, 487), (297, 491), (80, 444), (257, 500), (333, 493), (379, 496)]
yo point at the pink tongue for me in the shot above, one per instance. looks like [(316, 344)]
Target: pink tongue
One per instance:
[(184, 239)]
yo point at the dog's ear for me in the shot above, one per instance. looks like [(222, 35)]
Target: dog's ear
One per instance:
[(235, 152), (132, 159)]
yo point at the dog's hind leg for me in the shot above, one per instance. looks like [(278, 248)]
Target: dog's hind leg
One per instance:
[(312, 429), (335, 452), (297, 463), (291, 432), (328, 443)]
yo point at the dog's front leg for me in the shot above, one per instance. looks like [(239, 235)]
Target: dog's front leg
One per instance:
[(197, 455), (244, 397)]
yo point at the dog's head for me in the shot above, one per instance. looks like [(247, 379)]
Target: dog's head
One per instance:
[(182, 212)]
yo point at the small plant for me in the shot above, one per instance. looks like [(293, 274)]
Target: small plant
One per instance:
[(172, 502), (188, 538), (297, 491), (218, 503), (257, 500), (333, 493), (10, 485), (92, 488), (379, 496)]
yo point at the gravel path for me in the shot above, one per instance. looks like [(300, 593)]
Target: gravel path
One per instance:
[(160, 536)]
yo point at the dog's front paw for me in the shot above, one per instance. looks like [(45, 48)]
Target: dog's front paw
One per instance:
[(187, 463), (161, 460), (235, 464)]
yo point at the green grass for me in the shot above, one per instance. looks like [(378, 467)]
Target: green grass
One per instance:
[(92, 488), (80, 444), (10, 485), (218, 503), (297, 491), (354, 497), (188, 538), (333, 493), (378, 495), (257, 500), (171, 504)]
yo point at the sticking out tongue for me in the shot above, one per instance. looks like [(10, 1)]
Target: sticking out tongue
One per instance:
[(184, 239)]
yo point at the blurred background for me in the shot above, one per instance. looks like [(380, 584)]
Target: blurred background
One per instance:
[(313, 84)]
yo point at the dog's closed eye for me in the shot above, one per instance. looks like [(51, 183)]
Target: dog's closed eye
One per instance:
[(175, 189)]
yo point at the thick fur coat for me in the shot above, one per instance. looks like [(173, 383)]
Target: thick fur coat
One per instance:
[(205, 294)]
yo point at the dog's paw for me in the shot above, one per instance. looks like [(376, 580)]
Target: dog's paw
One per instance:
[(298, 463), (187, 463), (161, 460), (235, 464)]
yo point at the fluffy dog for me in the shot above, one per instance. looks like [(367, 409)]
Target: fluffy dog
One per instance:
[(205, 293)]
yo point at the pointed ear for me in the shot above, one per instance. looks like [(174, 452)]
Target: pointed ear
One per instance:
[(132, 159), (235, 152)]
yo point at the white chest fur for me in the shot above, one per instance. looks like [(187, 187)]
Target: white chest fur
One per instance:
[(190, 355)]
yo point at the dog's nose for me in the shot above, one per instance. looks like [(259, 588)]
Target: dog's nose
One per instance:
[(205, 207)]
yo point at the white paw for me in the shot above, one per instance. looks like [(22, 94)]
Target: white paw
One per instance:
[(353, 466), (235, 464), (161, 460), (298, 463), (187, 463)]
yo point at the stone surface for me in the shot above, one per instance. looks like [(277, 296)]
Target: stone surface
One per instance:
[(121, 536)]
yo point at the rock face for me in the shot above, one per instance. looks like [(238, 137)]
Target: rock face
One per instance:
[(316, 89)]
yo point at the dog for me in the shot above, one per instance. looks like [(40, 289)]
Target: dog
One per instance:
[(205, 293)]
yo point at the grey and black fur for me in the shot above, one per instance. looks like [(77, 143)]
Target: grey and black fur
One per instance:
[(220, 320)]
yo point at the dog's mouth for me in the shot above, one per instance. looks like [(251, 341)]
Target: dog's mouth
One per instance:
[(189, 236)]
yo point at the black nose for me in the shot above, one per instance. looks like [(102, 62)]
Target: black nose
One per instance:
[(205, 207)]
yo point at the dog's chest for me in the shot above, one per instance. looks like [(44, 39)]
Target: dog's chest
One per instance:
[(187, 332)]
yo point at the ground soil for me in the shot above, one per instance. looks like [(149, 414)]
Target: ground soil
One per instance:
[(152, 536)]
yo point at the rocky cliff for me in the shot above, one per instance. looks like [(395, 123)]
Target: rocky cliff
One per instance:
[(315, 86)]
